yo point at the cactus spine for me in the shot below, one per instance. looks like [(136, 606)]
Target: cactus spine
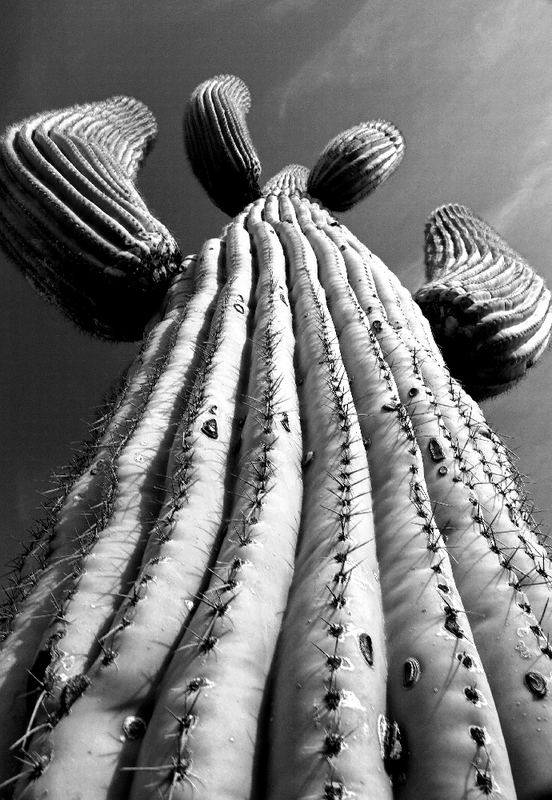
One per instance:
[(297, 563)]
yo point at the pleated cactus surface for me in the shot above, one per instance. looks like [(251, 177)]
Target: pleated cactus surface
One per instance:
[(295, 563), (489, 311), (73, 221)]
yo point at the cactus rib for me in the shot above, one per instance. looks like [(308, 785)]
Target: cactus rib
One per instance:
[(218, 144)]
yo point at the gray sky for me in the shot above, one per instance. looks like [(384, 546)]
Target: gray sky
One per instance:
[(468, 83)]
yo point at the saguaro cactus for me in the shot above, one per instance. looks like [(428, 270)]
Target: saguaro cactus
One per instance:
[(297, 562)]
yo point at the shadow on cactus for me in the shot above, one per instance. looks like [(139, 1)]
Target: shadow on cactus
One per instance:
[(295, 562)]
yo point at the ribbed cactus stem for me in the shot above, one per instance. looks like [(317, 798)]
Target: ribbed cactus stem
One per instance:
[(72, 219), (488, 310), (355, 163), (325, 718), (218, 143), (296, 562)]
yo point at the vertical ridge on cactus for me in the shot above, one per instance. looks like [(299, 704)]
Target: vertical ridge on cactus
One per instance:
[(488, 310), (296, 562), (325, 718), (218, 143), (73, 221), (355, 163)]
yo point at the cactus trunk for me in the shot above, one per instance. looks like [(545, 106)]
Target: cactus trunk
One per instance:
[(334, 584)]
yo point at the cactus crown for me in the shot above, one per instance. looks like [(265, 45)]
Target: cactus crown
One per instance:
[(224, 159)]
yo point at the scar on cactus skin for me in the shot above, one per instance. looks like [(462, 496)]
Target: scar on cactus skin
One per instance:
[(295, 560)]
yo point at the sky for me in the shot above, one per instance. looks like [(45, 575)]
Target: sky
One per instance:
[(468, 83)]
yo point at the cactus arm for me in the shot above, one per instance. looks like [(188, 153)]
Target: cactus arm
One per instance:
[(219, 147), (74, 221), (414, 565), (331, 667), (488, 309), (232, 649), (355, 163)]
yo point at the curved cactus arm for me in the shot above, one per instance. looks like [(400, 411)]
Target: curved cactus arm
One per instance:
[(331, 670), (489, 311), (355, 163), (289, 180), (218, 144), (414, 568), (72, 219)]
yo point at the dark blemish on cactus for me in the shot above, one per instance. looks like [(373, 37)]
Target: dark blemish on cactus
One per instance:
[(435, 450), (443, 587), (239, 308), (334, 790), (213, 410), (478, 734), (413, 392), (72, 690), (376, 326), (537, 684), (210, 428), (473, 695), (412, 671), (283, 299), (285, 421), (393, 749), (333, 744), (443, 470), (366, 648), (451, 622), (134, 727)]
